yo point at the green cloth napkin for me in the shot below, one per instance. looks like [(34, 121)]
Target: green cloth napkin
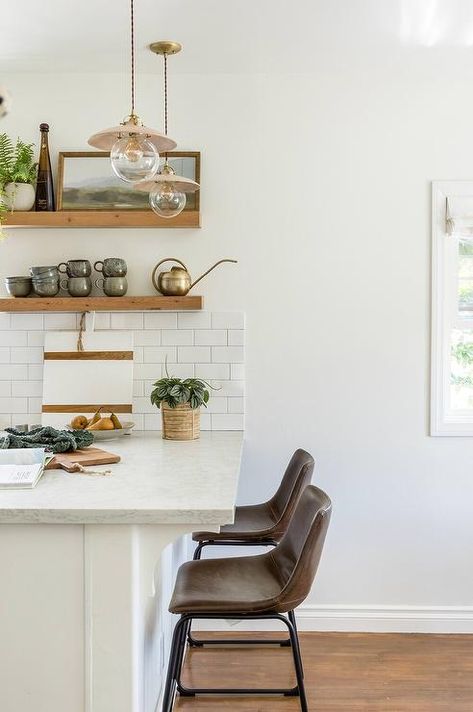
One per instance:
[(51, 439)]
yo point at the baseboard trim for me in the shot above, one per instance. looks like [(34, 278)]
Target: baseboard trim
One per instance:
[(371, 619)]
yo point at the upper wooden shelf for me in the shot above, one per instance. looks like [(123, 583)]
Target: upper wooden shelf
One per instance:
[(100, 218), (83, 304)]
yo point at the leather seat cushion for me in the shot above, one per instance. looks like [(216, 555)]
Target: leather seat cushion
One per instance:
[(244, 584), (251, 522)]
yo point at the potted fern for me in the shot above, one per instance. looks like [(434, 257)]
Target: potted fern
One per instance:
[(180, 401), (17, 174)]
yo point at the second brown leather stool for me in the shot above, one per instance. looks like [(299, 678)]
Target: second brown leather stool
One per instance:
[(260, 525)]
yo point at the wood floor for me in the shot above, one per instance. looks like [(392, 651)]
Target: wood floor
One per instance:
[(344, 672)]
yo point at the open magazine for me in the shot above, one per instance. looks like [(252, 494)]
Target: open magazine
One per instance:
[(22, 468)]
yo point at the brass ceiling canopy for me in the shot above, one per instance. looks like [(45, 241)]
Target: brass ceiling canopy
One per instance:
[(165, 47)]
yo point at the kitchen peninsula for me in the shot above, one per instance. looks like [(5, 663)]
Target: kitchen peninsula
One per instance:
[(87, 564)]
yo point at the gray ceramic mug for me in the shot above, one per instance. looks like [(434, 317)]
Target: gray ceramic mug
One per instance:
[(46, 287), (111, 267), (77, 286), (76, 268), (113, 286)]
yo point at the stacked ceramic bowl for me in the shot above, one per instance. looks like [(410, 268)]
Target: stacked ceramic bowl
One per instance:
[(18, 286), (45, 280)]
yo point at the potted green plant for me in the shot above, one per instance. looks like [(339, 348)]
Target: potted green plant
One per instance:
[(18, 171), (180, 401)]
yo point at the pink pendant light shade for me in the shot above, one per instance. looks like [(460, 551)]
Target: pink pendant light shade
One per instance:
[(185, 185), (105, 139)]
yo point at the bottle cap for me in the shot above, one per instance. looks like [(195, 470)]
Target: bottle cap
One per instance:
[(44, 127)]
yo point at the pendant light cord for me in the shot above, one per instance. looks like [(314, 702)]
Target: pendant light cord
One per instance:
[(165, 56), (132, 27)]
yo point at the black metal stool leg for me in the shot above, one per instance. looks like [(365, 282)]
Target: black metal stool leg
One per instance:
[(175, 663), (298, 665), (292, 617), (298, 691)]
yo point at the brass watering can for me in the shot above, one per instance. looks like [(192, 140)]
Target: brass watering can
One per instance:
[(177, 282)]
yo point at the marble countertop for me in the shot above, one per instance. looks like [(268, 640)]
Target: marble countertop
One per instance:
[(157, 481)]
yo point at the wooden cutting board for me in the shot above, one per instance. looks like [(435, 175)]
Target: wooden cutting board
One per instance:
[(86, 457)]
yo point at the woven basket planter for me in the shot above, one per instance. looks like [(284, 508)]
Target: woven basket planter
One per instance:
[(181, 422)]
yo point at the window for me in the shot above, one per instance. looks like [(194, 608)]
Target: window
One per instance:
[(452, 308)]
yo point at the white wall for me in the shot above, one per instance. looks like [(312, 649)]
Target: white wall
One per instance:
[(318, 183)]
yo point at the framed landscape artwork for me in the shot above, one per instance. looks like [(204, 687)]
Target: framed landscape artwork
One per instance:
[(86, 182)]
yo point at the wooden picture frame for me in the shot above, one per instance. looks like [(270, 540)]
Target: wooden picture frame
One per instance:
[(110, 193)]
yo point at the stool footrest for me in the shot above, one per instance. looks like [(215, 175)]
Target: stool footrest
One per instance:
[(200, 642), (187, 692)]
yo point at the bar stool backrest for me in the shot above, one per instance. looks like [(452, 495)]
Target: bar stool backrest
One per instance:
[(297, 476), (298, 554)]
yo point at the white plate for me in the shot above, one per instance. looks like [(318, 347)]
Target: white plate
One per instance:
[(110, 434)]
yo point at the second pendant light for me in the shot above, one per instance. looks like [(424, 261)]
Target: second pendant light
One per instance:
[(167, 191)]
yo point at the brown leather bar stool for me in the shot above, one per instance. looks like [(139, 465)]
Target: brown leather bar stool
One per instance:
[(262, 587), (264, 524), (260, 525)]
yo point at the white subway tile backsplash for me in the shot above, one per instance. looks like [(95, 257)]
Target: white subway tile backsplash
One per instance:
[(160, 320), (194, 320), (143, 405), (5, 420), (139, 420), (212, 370), (35, 372), (159, 354), (211, 337), (138, 354), (27, 388), (102, 321), (27, 322), (237, 371), (13, 372), (236, 405), (36, 338), (152, 421), (193, 354), (229, 388), (227, 354), (236, 337), (27, 354), (13, 405), (126, 320), (199, 344), (58, 322), (177, 337), (217, 405), (13, 338), (151, 337), (227, 421), (228, 320), (6, 388), (180, 370), (138, 389), (34, 405), (205, 421)]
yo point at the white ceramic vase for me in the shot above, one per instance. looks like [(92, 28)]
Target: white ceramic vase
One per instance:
[(19, 196)]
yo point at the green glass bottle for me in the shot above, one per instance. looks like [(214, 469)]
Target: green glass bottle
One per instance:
[(44, 185)]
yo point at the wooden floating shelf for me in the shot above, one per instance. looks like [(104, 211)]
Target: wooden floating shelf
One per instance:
[(89, 304), (100, 218)]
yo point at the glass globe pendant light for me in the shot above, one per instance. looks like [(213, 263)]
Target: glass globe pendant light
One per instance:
[(134, 148), (167, 191)]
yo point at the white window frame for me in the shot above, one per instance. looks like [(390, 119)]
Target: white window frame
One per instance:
[(445, 311)]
